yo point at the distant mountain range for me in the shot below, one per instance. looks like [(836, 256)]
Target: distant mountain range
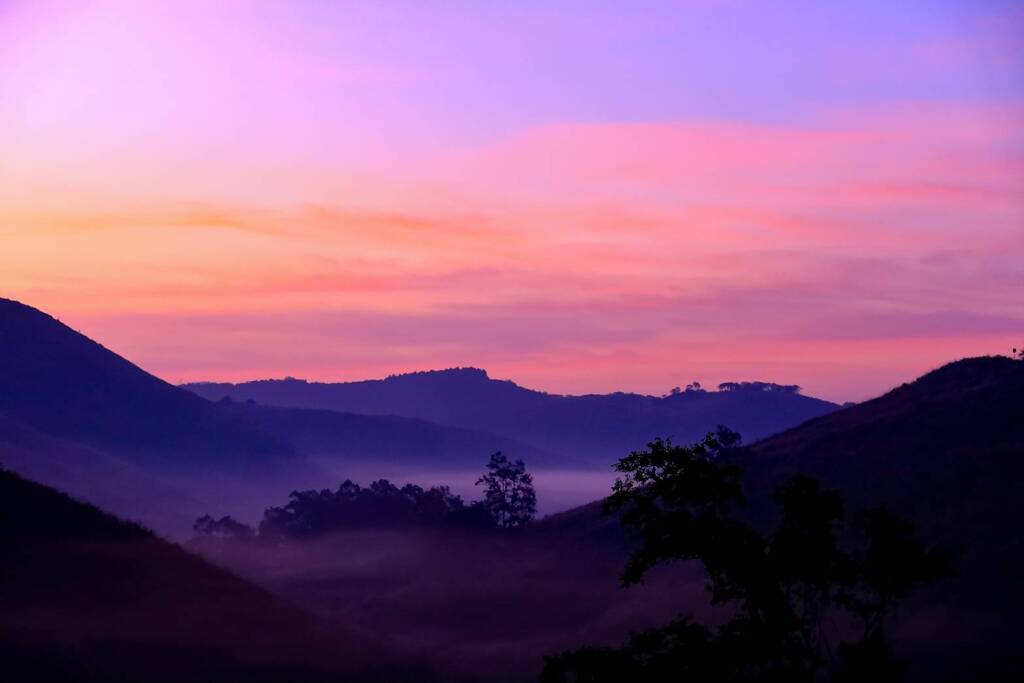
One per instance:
[(388, 440), (597, 428), (75, 415), (946, 450)]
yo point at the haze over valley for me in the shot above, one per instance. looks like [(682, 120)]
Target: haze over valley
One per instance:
[(550, 341)]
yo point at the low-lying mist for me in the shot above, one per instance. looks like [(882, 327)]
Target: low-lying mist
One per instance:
[(557, 489), (486, 604)]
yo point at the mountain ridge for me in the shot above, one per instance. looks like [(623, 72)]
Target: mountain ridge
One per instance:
[(65, 384), (945, 451), (596, 428)]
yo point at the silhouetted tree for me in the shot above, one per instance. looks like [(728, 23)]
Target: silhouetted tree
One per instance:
[(681, 503), (313, 513), (508, 493), (727, 438), (694, 387), (225, 527), (1019, 353), (759, 386)]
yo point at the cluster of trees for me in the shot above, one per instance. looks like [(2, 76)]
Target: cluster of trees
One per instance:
[(691, 388), (787, 589), (759, 386), (225, 527), (509, 502), (312, 513), (696, 388)]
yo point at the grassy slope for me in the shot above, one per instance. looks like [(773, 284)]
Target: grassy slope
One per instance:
[(87, 596)]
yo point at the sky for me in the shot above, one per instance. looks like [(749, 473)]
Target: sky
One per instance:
[(579, 196)]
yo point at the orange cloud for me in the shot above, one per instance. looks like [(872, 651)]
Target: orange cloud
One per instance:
[(591, 252)]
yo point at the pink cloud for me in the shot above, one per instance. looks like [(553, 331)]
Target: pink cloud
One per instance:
[(852, 253)]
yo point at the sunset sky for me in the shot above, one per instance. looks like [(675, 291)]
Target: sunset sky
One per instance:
[(578, 196)]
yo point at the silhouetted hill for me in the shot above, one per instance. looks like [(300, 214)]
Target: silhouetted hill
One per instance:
[(116, 483), (88, 597), (386, 440), (64, 384), (77, 416), (946, 451), (592, 427)]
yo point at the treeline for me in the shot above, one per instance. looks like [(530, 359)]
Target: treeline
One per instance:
[(311, 513), (748, 387), (760, 386), (509, 502)]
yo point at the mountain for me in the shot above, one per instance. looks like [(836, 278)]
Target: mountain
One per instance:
[(385, 440), (64, 384), (595, 428), (956, 431), (77, 416), (88, 597), (945, 451), (114, 483)]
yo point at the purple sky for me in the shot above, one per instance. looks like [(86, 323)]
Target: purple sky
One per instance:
[(580, 196)]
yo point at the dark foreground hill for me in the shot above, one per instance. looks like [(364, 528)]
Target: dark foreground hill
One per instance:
[(945, 451), (957, 431), (88, 597), (596, 428)]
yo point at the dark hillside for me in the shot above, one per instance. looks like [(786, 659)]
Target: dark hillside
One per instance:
[(62, 383), (947, 448), (947, 451), (89, 597)]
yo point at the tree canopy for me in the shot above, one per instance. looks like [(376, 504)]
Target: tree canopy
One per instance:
[(759, 386), (225, 527), (509, 502), (313, 513), (783, 588)]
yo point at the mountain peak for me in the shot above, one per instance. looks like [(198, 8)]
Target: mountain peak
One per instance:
[(445, 373), (968, 372), (62, 383)]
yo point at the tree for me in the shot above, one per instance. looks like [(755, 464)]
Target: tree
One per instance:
[(727, 438), (784, 588), (508, 493), (1019, 353), (225, 527)]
